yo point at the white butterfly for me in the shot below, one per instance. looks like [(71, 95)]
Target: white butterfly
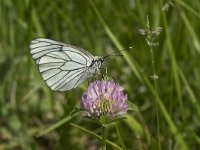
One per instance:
[(62, 66)]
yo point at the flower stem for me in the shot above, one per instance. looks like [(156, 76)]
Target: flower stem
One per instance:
[(151, 42), (156, 97), (103, 132)]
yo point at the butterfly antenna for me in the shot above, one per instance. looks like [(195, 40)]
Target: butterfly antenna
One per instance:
[(117, 53)]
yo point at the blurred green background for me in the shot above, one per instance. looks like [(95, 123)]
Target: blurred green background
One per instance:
[(28, 106)]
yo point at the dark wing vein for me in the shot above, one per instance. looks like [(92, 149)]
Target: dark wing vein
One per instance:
[(58, 58), (71, 79), (80, 77), (60, 86), (62, 69), (46, 49), (51, 76), (81, 50)]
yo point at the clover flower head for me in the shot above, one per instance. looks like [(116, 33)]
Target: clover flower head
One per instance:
[(104, 98)]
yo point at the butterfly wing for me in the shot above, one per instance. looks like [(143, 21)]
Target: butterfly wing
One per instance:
[(62, 66)]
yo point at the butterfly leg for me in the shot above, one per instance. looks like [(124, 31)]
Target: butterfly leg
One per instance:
[(94, 77), (102, 72), (106, 73)]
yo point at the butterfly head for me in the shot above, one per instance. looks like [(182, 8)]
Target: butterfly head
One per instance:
[(98, 61), (102, 59)]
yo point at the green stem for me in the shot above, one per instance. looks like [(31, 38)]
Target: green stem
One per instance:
[(156, 96), (150, 41), (103, 137), (119, 136)]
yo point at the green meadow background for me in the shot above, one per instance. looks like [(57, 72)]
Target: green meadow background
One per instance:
[(28, 107)]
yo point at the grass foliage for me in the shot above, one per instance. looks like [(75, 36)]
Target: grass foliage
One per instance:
[(168, 121)]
